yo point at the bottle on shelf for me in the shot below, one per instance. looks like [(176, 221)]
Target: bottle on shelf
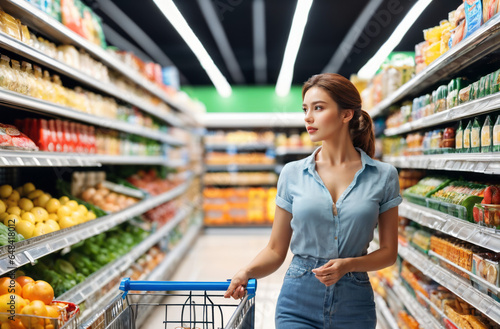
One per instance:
[(475, 137), (486, 132), (7, 75), (467, 136), (496, 135), (30, 78), (459, 135)]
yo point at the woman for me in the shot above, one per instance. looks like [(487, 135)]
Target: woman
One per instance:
[(327, 208)]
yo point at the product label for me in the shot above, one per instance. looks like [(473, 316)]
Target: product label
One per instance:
[(496, 135), (486, 138), (466, 138), (458, 141), (474, 136)]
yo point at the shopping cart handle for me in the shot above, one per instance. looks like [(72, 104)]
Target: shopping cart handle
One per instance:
[(126, 285)]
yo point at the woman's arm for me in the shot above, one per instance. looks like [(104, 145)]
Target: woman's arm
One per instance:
[(335, 269), (269, 259)]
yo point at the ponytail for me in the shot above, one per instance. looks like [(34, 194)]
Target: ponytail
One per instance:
[(343, 92)]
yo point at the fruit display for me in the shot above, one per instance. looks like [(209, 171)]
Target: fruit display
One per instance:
[(151, 182), (406, 321), (222, 158), (161, 214), (425, 187), (34, 304), (239, 137), (488, 211), (64, 272), (239, 206), (33, 212)]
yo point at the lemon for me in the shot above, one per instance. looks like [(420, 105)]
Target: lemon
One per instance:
[(66, 221), (63, 211), (72, 204), (11, 220), (40, 214), (40, 229), (25, 228), (15, 196), (52, 205), (34, 194), (52, 224), (42, 200), (28, 188), (91, 215), (3, 207), (63, 199), (5, 191), (25, 204), (82, 209), (20, 190), (29, 217), (10, 203), (3, 215), (14, 211), (53, 217)]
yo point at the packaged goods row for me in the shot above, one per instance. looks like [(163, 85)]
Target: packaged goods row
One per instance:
[(221, 158), (477, 135), (294, 139), (70, 137), (238, 137), (240, 178), (459, 25), (246, 206)]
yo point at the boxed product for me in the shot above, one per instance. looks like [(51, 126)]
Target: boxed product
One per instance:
[(486, 266)]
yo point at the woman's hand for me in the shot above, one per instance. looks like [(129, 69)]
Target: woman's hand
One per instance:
[(331, 272), (238, 285)]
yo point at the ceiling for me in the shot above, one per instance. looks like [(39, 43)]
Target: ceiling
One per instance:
[(328, 24)]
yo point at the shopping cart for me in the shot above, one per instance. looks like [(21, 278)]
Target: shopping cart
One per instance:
[(187, 305)]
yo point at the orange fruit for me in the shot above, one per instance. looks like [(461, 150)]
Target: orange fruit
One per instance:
[(36, 307), (38, 290), (52, 311), (23, 279), (6, 302), (16, 324), (10, 287)]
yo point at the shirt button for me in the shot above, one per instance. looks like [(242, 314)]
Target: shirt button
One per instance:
[(335, 238)]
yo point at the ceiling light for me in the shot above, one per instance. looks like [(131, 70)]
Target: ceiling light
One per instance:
[(292, 47), (372, 66), (175, 18)]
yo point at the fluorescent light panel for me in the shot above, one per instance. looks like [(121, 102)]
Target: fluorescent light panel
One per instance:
[(175, 17), (292, 47), (371, 67)]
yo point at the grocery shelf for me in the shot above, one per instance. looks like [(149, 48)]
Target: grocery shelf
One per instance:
[(238, 147), (479, 235), (476, 107), (384, 309), (490, 286), (162, 272), (241, 167), (55, 159), (28, 250), (484, 163), (20, 48), (20, 101), (482, 42), (294, 150), (40, 21), (456, 284), (97, 280), (421, 314)]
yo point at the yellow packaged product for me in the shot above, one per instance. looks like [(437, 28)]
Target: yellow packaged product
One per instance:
[(39, 84), (6, 74), (19, 85), (10, 25), (25, 34), (432, 52), (30, 78), (49, 90), (69, 55)]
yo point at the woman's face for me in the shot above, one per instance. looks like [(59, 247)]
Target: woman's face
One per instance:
[(321, 114)]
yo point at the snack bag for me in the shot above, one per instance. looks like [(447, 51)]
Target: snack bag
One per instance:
[(11, 137), (490, 8), (473, 16)]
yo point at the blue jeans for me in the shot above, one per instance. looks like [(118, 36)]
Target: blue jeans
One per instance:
[(306, 303)]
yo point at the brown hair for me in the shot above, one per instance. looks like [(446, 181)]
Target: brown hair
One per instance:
[(343, 92)]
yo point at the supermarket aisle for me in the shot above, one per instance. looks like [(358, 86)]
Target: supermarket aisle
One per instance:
[(216, 255)]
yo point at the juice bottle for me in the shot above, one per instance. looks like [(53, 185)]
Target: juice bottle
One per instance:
[(459, 135), (466, 139), (486, 132), (496, 135), (475, 137), (6, 73), (30, 78)]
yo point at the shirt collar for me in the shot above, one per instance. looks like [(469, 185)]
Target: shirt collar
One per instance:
[(310, 161)]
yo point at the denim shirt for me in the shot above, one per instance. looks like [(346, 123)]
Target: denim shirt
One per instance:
[(321, 232)]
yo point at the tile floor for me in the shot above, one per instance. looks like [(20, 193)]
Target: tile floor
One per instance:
[(216, 256)]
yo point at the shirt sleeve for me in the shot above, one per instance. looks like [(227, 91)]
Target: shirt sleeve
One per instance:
[(283, 198), (392, 198)]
